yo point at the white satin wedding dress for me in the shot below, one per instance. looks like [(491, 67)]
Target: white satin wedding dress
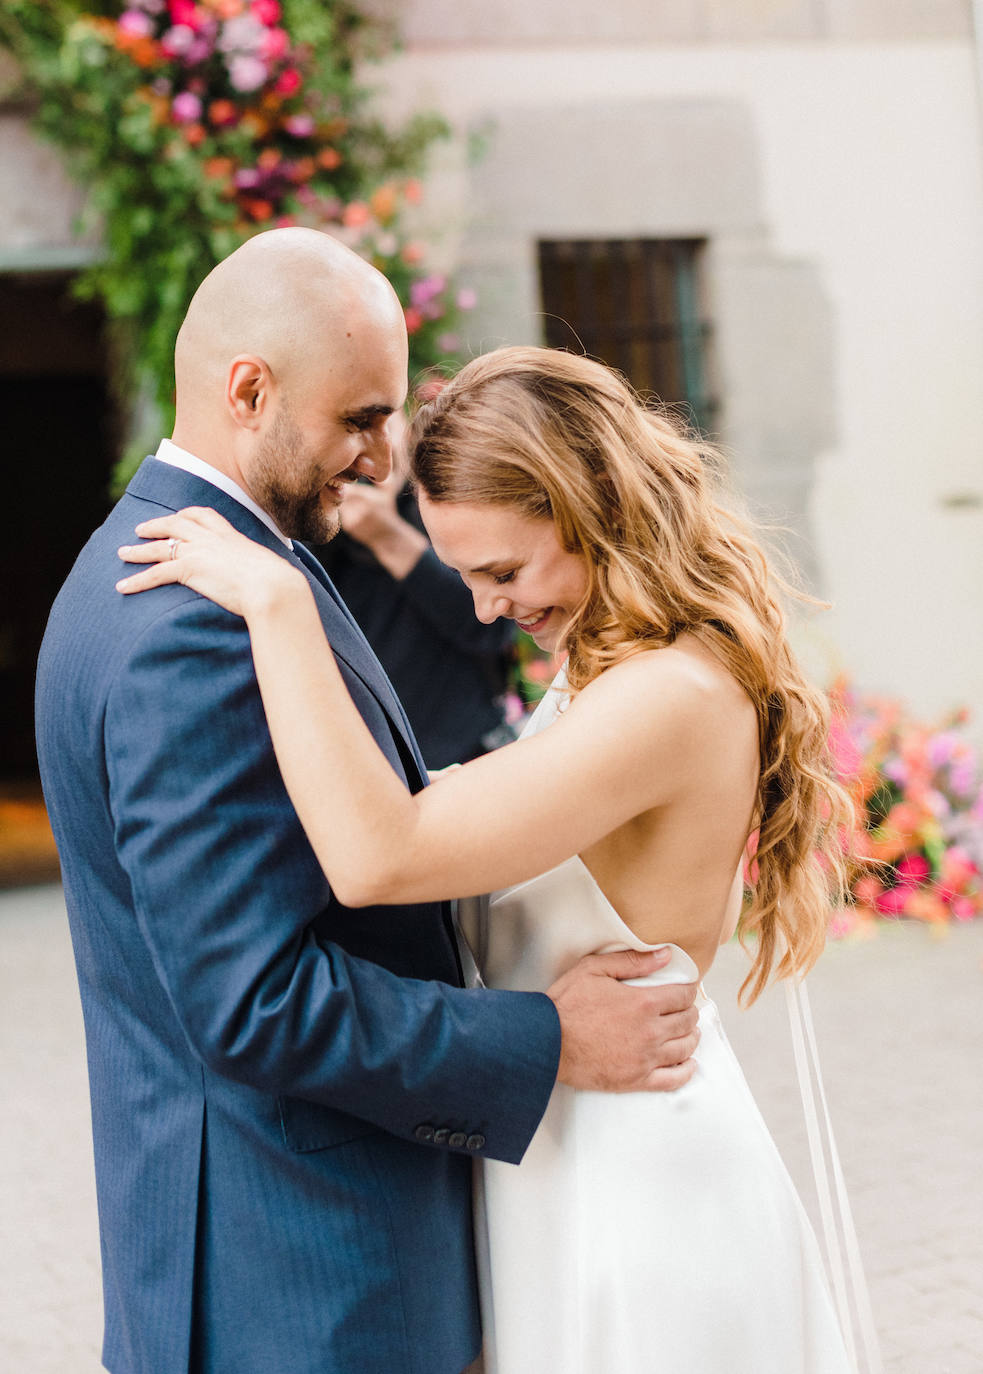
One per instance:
[(643, 1233)]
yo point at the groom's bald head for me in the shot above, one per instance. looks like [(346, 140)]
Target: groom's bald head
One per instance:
[(295, 297), (290, 358)]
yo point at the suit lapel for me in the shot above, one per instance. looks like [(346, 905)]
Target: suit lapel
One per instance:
[(174, 488)]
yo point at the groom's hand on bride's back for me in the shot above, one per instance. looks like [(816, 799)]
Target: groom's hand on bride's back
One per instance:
[(624, 1039)]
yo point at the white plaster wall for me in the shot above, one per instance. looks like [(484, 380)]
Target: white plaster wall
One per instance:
[(870, 162)]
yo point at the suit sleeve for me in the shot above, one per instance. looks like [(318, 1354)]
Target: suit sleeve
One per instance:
[(226, 891)]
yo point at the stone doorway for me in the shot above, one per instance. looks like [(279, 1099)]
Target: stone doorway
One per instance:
[(58, 425)]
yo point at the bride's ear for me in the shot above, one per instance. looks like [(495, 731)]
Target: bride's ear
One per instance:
[(249, 390)]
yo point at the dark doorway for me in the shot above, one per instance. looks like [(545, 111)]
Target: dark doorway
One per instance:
[(58, 428)]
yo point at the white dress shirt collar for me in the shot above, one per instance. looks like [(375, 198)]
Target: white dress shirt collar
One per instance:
[(168, 452)]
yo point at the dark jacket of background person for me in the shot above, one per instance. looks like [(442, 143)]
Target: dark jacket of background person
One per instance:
[(448, 669)]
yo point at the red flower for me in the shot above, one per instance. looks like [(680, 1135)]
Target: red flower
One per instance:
[(268, 12), (414, 319), (289, 81)]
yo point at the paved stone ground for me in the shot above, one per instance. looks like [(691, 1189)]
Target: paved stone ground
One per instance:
[(900, 1024)]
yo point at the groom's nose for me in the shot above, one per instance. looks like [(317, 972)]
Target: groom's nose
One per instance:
[(376, 459)]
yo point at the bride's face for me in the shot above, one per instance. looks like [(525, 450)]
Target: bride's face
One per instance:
[(513, 564)]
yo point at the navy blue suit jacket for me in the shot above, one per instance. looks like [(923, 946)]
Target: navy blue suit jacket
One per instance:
[(286, 1094)]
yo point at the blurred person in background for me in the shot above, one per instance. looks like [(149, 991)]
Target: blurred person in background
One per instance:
[(450, 670)]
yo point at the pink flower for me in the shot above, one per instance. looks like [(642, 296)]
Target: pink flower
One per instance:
[(449, 343), (177, 40), (200, 51), (186, 108), (962, 908), (847, 758), (423, 291), (136, 25), (247, 178), (300, 125), (246, 73), (288, 82), (467, 298), (242, 35), (275, 44), (266, 11)]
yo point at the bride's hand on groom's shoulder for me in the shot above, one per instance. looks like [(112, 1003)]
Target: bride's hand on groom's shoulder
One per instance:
[(624, 1039), (200, 549)]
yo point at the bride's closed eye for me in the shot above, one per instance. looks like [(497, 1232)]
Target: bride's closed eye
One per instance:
[(501, 578)]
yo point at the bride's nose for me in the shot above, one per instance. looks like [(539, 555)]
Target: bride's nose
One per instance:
[(490, 603)]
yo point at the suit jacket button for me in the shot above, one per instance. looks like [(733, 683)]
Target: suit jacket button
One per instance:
[(440, 1137), (456, 1140), (424, 1133), (475, 1142)]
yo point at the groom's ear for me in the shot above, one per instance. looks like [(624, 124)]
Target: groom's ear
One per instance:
[(249, 390)]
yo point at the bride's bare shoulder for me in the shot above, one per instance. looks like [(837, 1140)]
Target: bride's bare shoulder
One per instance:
[(684, 681)]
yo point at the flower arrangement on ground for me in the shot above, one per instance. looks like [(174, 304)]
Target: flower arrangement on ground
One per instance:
[(918, 791), (194, 124)]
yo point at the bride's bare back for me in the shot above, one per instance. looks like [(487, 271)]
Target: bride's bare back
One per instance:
[(673, 873)]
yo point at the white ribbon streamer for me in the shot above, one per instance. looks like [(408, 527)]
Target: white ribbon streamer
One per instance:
[(809, 1073)]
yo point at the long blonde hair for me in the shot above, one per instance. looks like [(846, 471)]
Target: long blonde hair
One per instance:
[(561, 437)]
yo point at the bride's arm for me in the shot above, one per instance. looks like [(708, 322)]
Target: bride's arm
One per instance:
[(622, 747)]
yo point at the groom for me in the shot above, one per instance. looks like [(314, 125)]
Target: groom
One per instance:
[(286, 1094)]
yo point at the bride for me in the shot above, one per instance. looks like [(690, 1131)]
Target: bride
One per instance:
[(643, 1233)]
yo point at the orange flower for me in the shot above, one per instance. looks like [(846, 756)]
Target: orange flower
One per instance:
[(194, 134), (254, 124), (222, 112), (303, 169), (356, 214), (329, 158), (413, 253), (268, 159), (143, 51), (218, 168), (413, 191), (383, 202), (259, 210)]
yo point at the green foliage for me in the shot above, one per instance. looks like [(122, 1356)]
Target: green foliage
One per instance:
[(187, 151)]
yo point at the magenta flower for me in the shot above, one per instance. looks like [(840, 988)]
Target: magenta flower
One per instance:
[(913, 870), (248, 178), (246, 73), (186, 108), (891, 902), (449, 343), (186, 12)]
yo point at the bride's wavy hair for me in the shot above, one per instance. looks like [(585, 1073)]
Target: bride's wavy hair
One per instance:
[(560, 437)]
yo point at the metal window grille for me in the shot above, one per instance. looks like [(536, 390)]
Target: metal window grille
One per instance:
[(638, 305)]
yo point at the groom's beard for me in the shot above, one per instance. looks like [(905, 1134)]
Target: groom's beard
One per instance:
[(281, 466)]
